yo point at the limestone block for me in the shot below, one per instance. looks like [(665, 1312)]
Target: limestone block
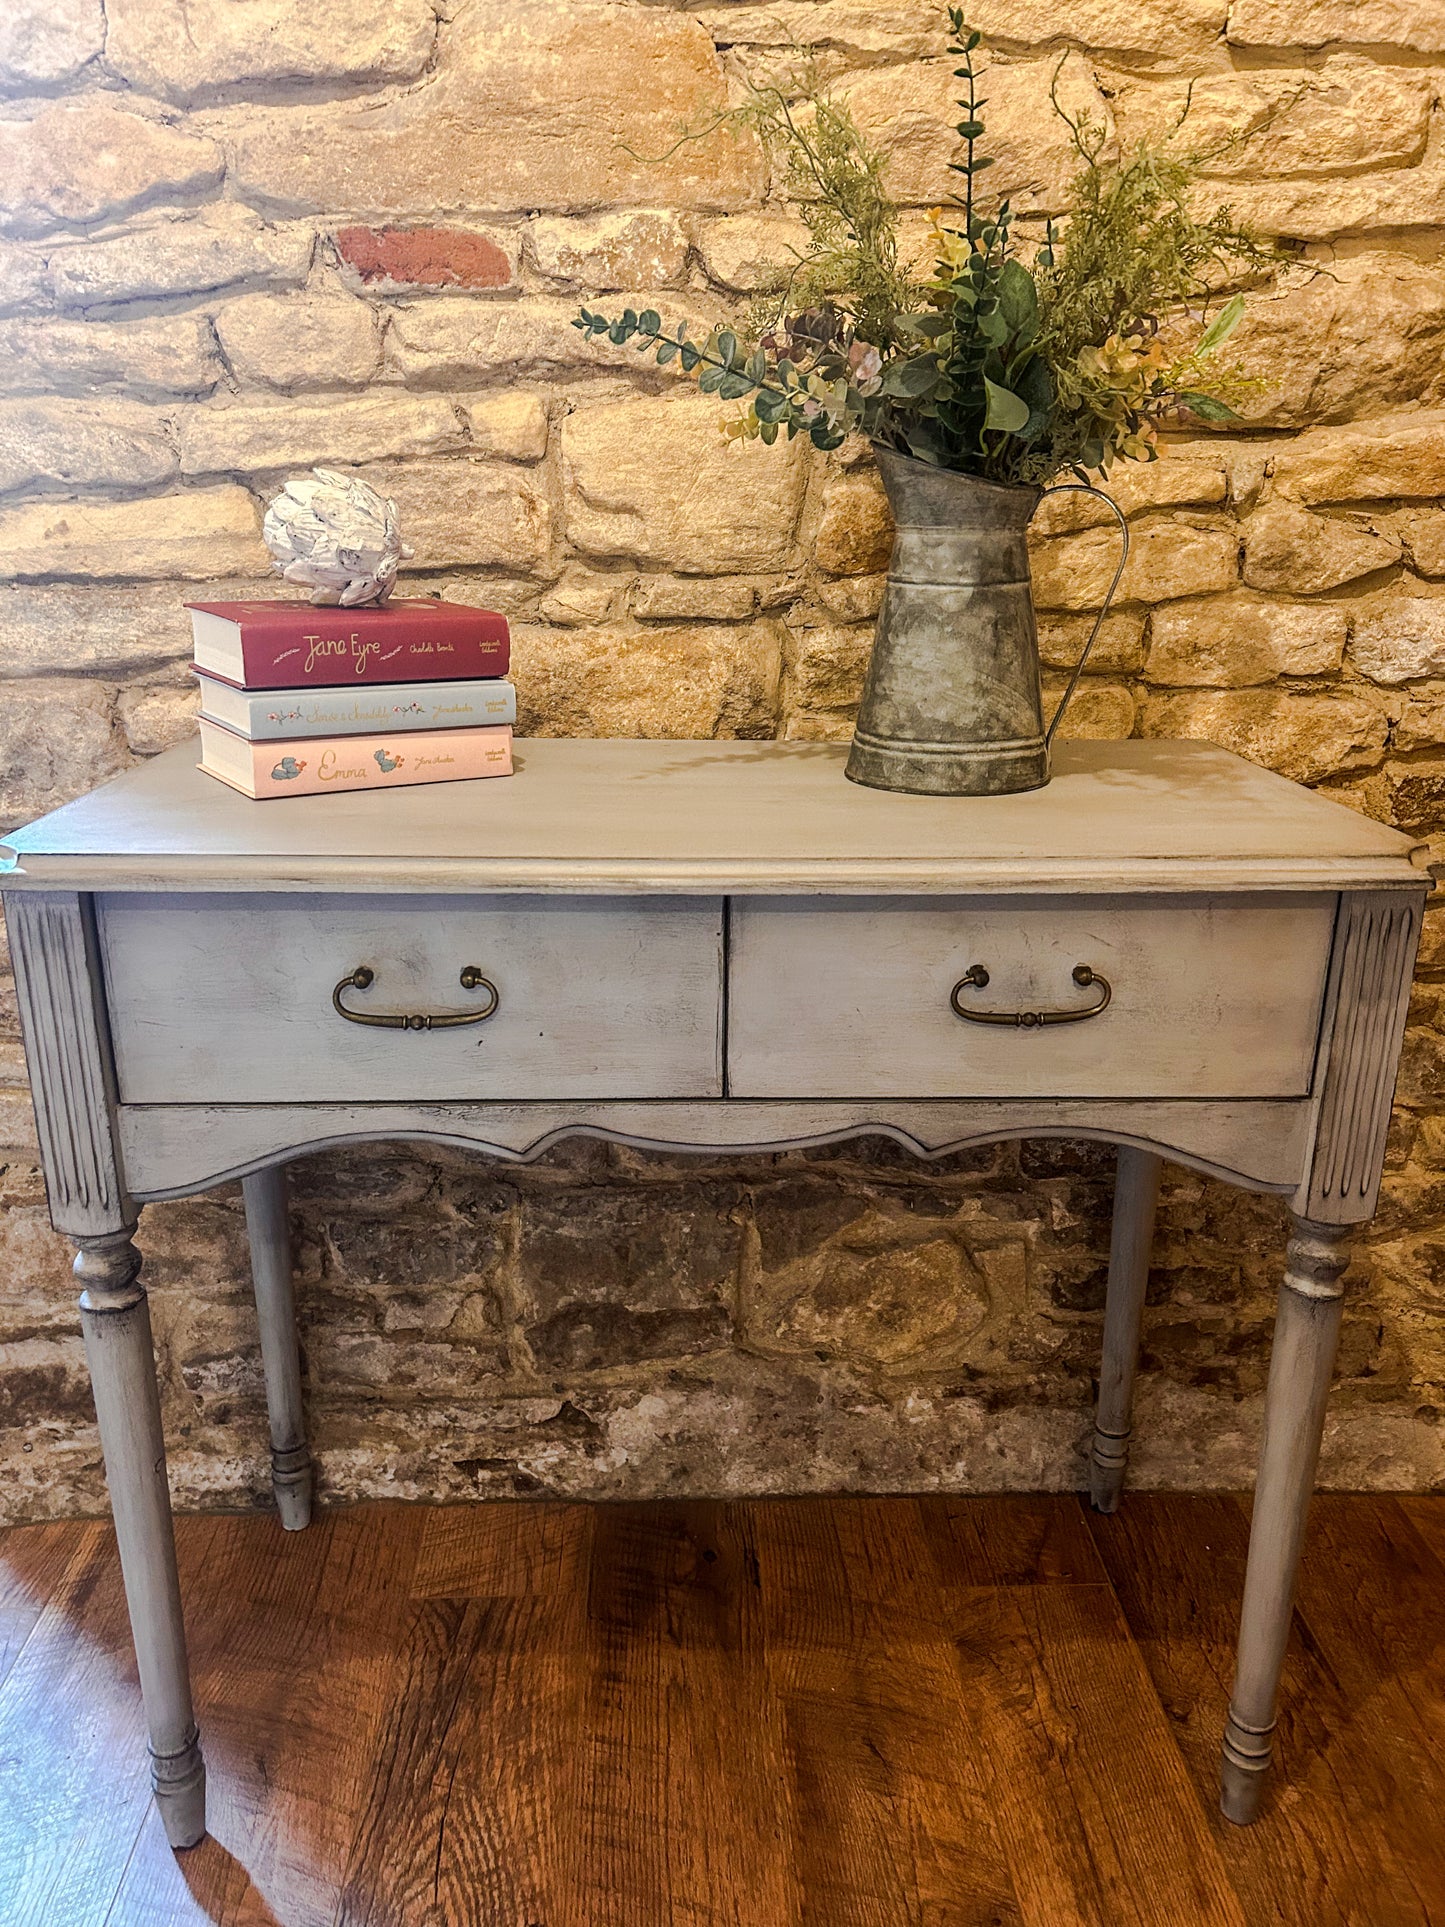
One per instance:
[(1307, 738), (46, 41), (1288, 549), (855, 528), (57, 740), (694, 680), (693, 598), (60, 443), (466, 511), (60, 628), (605, 1278), (24, 282), (182, 254), (851, 598), (1229, 642), (191, 536), (581, 597), (84, 160), (911, 112), (1422, 726), (1392, 199), (182, 48), (1397, 458), (511, 423), (747, 252), (1343, 339), (883, 1279), (1423, 533), (825, 669), (314, 338), (158, 717), (652, 481), (1416, 24), (515, 137), (1398, 636), (1120, 645), (914, 28), (1167, 559), (645, 249), (386, 259), (1186, 475), (298, 434), (454, 338), (154, 356), (1340, 118), (1098, 711)]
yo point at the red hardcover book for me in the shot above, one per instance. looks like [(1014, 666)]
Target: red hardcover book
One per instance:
[(296, 645)]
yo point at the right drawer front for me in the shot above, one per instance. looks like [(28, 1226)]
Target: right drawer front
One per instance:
[(845, 998)]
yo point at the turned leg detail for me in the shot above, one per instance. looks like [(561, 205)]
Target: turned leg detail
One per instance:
[(1136, 1197), (269, 1231), (115, 1318), (1306, 1334)]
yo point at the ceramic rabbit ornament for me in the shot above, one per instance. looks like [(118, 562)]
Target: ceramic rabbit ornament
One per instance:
[(334, 535)]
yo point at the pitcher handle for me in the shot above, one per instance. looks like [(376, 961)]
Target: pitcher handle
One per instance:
[(1087, 488)]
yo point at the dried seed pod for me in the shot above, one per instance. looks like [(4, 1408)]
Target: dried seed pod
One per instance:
[(337, 537)]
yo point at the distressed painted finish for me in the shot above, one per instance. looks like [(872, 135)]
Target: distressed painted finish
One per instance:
[(1136, 1198), (73, 1083), (1198, 1002), (270, 1239), (597, 997), (1308, 914)]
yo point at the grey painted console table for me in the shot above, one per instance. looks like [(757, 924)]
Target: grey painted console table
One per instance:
[(709, 945)]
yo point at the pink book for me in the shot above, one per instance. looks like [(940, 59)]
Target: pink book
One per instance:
[(317, 764)]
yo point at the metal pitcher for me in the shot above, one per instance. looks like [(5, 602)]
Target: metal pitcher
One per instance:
[(953, 700)]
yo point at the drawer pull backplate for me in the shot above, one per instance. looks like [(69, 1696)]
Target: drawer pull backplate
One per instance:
[(976, 978), (362, 979)]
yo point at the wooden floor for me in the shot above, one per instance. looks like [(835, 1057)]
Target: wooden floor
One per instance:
[(839, 1713)]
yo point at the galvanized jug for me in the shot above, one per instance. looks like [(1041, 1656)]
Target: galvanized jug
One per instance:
[(953, 700)]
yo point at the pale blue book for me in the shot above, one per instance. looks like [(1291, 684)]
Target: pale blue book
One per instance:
[(264, 715)]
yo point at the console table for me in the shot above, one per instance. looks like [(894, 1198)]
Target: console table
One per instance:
[(707, 945)]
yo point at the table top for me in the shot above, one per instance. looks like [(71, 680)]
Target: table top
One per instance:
[(584, 815)]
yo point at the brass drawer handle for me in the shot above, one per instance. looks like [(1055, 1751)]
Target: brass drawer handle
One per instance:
[(976, 977), (362, 979)]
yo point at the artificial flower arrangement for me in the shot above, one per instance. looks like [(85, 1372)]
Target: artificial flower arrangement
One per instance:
[(987, 365)]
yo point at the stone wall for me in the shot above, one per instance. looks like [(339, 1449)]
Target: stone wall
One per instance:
[(239, 239)]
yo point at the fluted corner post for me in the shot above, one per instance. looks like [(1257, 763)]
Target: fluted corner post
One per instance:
[(268, 1229), (115, 1319), (1136, 1199), (1306, 1334)]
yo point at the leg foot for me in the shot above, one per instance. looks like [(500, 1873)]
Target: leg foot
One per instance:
[(1244, 1771), (268, 1227), (115, 1318), (1136, 1197), (178, 1781), (1306, 1332)]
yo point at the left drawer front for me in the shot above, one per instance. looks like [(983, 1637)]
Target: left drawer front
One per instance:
[(228, 999)]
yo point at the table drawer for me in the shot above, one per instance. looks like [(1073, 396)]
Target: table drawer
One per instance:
[(230, 998), (1207, 998)]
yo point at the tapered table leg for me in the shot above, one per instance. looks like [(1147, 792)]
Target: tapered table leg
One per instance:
[(269, 1231), (1136, 1198), (1306, 1333), (115, 1318)]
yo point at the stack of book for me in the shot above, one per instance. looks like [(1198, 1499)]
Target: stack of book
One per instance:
[(297, 699)]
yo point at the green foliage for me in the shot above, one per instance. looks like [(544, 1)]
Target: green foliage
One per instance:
[(987, 366)]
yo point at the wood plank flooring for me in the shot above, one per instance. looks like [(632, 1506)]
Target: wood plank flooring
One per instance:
[(784, 1713)]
